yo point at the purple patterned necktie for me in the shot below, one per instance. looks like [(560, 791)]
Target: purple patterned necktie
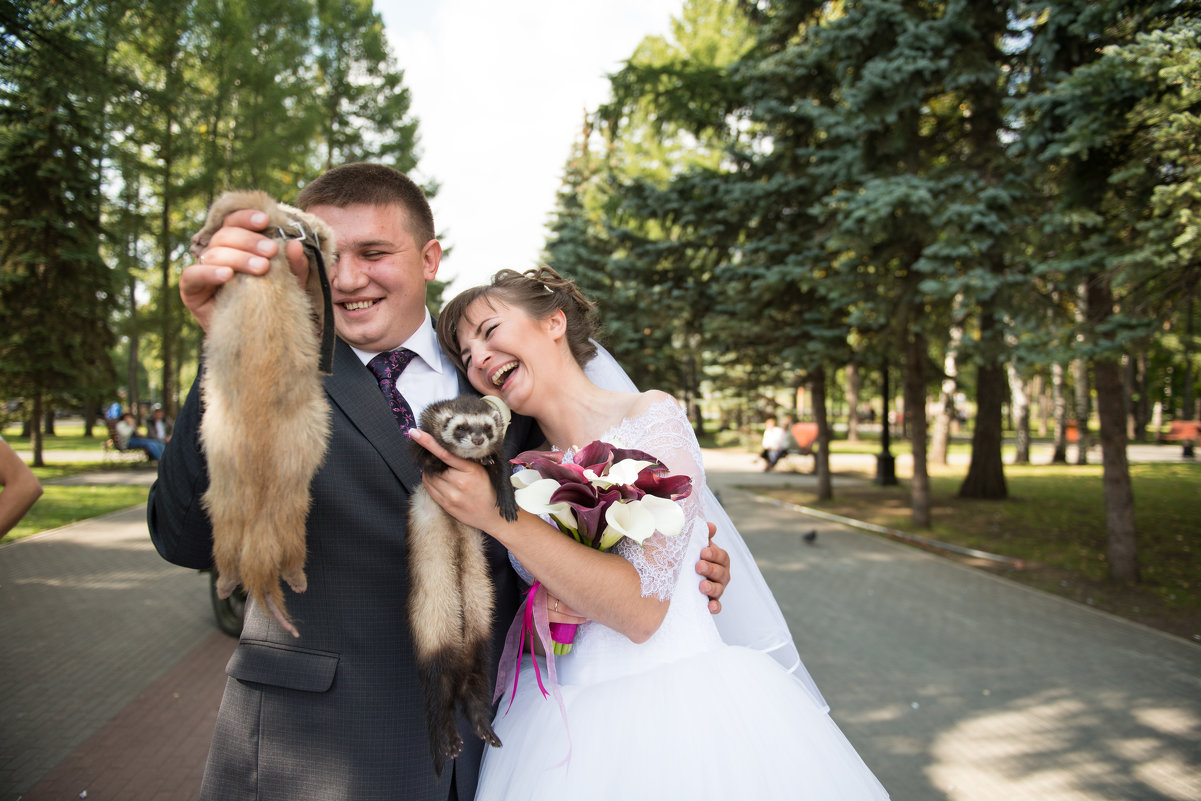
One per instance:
[(387, 367)]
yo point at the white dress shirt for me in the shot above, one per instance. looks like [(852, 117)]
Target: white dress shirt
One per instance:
[(430, 377)]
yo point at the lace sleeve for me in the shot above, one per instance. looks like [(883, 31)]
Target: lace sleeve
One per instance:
[(665, 433)]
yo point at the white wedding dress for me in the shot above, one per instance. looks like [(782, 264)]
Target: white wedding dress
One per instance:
[(681, 716)]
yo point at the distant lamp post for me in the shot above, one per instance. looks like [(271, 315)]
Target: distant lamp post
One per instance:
[(886, 464)]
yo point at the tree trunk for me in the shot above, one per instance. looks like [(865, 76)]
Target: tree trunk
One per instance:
[(947, 416), (167, 328), (89, 416), (986, 472), (852, 402), (131, 365), (1020, 401), (1038, 395), (821, 458), (1111, 413), (1059, 398), (1142, 409), (35, 431), (915, 411), (1119, 493), (1189, 412), (1080, 379)]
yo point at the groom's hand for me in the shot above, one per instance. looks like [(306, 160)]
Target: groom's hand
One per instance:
[(715, 567)]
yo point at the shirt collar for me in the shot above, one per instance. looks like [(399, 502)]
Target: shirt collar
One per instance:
[(423, 342)]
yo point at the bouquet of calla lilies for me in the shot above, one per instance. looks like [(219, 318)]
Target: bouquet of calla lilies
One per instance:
[(604, 494)]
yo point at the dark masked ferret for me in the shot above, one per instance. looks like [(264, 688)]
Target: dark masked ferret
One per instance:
[(265, 424), (450, 587)]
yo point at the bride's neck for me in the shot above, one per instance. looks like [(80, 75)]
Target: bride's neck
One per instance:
[(575, 413)]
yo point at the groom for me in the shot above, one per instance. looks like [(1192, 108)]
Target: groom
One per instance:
[(338, 713)]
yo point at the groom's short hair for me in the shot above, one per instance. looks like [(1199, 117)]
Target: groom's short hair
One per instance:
[(367, 184)]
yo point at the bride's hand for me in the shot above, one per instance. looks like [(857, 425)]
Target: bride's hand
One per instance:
[(463, 489), (559, 612)]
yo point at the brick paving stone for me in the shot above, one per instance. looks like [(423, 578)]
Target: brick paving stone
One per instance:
[(90, 616), (156, 745)]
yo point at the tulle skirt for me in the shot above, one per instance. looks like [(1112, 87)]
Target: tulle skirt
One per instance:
[(727, 724)]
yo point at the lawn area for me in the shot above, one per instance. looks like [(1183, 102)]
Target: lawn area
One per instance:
[(61, 505), (1054, 519), (67, 454)]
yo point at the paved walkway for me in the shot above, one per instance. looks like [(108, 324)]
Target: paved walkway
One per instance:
[(952, 684)]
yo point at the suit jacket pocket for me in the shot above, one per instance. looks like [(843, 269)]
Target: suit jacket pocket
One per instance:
[(283, 666)]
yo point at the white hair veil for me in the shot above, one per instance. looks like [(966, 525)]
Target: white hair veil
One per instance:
[(749, 615)]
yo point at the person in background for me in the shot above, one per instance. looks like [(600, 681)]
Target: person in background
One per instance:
[(128, 437), (773, 444), (19, 488), (160, 426), (116, 408)]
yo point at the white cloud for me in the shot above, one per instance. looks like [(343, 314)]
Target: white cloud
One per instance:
[(500, 90)]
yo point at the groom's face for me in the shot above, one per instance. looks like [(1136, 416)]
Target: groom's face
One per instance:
[(378, 279)]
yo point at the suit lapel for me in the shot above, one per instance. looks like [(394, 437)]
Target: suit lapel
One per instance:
[(354, 390)]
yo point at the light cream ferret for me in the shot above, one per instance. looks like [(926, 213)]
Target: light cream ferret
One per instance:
[(265, 425)]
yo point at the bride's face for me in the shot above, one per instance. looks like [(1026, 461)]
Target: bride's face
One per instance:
[(507, 352)]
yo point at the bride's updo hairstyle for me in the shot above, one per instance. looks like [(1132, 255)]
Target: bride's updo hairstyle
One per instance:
[(539, 293)]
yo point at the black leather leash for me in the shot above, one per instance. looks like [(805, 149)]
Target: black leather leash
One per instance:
[(312, 248)]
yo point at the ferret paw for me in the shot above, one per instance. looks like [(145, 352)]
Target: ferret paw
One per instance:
[(447, 746), (487, 735), (226, 584), (508, 508), (297, 580)]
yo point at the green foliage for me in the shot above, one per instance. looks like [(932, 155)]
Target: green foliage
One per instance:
[(55, 291), (865, 176), (122, 122)]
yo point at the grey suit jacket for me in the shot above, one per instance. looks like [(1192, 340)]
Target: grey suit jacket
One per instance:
[(337, 713)]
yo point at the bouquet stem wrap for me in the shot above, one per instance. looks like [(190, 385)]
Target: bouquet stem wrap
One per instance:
[(563, 635), (532, 620)]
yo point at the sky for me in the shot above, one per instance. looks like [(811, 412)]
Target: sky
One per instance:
[(500, 89)]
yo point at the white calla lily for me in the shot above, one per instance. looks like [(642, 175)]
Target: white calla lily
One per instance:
[(624, 472), (669, 515), (525, 477), (535, 499), (630, 519)]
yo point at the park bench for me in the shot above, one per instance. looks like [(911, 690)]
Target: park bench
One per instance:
[(805, 437), (114, 451), (1186, 432)]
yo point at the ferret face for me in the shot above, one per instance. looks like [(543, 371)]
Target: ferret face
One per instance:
[(471, 436)]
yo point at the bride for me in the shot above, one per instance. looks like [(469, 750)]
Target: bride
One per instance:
[(623, 720)]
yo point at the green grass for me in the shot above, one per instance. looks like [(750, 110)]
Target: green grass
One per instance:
[(62, 504), (1054, 519), (69, 438)]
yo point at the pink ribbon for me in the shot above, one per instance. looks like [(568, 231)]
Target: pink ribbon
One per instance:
[(531, 620)]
